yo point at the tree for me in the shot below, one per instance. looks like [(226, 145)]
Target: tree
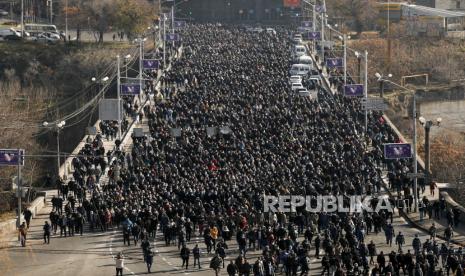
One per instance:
[(362, 12), (133, 16)]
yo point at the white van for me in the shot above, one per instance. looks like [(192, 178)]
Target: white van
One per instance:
[(300, 69), (7, 32), (305, 60), (299, 50)]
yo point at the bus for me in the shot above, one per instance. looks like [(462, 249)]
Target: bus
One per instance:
[(35, 29)]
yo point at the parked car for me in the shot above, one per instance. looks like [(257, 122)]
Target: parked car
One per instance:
[(3, 12)]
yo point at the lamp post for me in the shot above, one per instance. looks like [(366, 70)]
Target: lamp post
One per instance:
[(100, 82), (427, 124), (414, 143), (126, 63), (118, 93), (58, 126), (359, 66), (381, 83), (344, 38)]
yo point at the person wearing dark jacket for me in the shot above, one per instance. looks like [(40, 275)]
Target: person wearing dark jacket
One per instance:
[(232, 269), (185, 254)]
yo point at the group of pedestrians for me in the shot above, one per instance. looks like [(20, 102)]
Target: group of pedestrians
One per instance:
[(225, 130)]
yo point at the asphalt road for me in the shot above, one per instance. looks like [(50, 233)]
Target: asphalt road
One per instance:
[(93, 253)]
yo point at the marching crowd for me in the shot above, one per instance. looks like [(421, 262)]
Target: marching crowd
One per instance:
[(226, 130)]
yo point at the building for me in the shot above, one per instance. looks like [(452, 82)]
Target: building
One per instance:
[(237, 11)]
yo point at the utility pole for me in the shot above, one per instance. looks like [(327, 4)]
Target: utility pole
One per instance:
[(415, 165), (164, 42), (118, 92), (22, 18), (20, 193), (366, 89), (322, 37), (314, 17), (345, 58), (51, 11), (427, 150), (66, 20), (141, 57), (381, 88)]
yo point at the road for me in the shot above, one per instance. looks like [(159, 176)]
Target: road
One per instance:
[(93, 253)]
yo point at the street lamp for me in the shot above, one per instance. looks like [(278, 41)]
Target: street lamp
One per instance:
[(100, 82), (58, 126), (126, 63), (427, 124), (344, 38), (414, 113), (381, 83)]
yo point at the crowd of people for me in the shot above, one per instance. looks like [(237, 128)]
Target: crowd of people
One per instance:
[(225, 130)]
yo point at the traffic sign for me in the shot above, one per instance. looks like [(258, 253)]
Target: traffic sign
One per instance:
[(11, 157), (416, 175), (374, 104)]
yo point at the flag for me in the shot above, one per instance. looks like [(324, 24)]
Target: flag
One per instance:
[(334, 62), (353, 90), (150, 64)]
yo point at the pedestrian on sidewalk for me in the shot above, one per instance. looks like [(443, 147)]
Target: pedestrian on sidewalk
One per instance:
[(47, 230), (22, 234), (448, 233), (432, 187), (27, 217), (119, 264), (416, 244)]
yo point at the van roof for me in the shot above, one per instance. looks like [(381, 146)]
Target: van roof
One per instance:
[(300, 64)]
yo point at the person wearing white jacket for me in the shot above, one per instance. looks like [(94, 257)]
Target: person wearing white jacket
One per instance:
[(119, 264)]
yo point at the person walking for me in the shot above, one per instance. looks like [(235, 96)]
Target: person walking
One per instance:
[(232, 269), (47, 230), (215, 264), (196, 252), (22, 234), (149, 260), (185, 254), (400, 240), (119, 264)]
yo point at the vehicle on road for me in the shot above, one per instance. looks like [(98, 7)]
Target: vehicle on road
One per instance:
[(295, 79), (300, 69), (313, 94), (304, 59), (3, 12), (299, 50), (297, 38), (271, 31), (47, 38), (295, 86), (36, 29)]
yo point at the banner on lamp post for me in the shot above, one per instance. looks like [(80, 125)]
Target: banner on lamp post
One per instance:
[(313, 35), (307, 24), (11, 157), (130, 89), (172, 37), (179, 24), (151, 64), (291, 3), (397, 151), (354, 90), (334, 62)]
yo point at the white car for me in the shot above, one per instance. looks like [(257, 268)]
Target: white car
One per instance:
[(295, 79), (271, 31), (257, 30), (297, 38), (313, 94), (296, 86), (47, 37)]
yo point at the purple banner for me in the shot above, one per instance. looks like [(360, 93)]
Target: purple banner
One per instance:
[(334, 62), (354, 90), (172, 37), (313, 35), (320, 8), (130, 89), (307, 24), (11, 157), (397, 151), (179, 24), (151, 64)]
